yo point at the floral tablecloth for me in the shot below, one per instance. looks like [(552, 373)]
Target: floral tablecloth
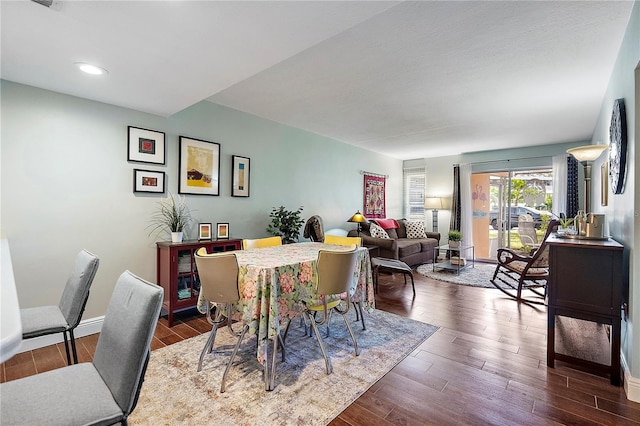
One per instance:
[(274, 280)]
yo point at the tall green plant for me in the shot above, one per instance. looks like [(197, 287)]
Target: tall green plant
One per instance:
[(285, 223)]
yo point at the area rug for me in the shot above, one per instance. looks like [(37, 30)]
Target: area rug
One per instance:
[(478, 276), (174, 393)]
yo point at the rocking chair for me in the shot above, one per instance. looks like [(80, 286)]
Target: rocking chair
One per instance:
[(516, 272)]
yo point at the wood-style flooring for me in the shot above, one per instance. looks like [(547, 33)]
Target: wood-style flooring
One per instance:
[(486, 365)]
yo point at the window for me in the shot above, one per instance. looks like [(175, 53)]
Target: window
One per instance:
[(414, 187)]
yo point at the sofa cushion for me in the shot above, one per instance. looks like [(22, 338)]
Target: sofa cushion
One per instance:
[(402, 229), (392, 232), (377, 231), (408, 247), (415, 229)]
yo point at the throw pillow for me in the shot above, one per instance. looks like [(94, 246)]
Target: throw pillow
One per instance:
[(415, 229), (377, 231), (387, 223)]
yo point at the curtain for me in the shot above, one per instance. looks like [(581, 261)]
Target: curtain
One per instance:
[(466, 208), (456, 212), (461, 209), (559, 168), (572, 187)]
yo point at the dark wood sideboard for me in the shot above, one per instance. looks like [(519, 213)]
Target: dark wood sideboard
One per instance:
[(177, 273), (585, 283)]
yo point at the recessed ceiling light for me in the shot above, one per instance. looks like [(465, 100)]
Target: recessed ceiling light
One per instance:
[(91, 69)]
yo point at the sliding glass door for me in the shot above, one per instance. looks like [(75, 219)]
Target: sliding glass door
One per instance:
[(510, 209)]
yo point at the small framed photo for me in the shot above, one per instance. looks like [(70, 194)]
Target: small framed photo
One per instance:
[(240, 174), (204, 231), (148, 181), (199, 167), (223, 231), (145, 146)]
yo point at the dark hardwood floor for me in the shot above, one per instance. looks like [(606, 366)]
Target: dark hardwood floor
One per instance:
[(486, 365)]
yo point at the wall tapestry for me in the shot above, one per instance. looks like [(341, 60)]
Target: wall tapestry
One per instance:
[(374, 194)]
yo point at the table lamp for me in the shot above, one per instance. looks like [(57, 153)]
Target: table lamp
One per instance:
[(587, 155), (433, 203), (359, 219)]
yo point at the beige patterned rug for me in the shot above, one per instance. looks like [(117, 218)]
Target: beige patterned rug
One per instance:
[(175, 394)]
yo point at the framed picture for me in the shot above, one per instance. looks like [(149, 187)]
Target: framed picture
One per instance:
[(145, 146), (204, 231), (199, 169), (240, 174), (604, 184), (148, 181), (223, 231)]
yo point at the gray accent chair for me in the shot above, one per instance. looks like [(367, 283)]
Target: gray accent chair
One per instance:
[(65, 317), (102, 392)]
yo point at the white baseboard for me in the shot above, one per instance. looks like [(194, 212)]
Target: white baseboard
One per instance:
[(85, 328), (631, 384)]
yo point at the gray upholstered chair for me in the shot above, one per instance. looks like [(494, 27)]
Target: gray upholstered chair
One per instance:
[(335, 276), (101, 392), (65, 317)]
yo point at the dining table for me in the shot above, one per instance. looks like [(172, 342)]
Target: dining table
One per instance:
[(274, 281)]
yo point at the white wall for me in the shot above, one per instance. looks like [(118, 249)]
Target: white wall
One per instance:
[(66, 184)]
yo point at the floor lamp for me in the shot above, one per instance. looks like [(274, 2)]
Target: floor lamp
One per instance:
[(587, 155), (433, 203)]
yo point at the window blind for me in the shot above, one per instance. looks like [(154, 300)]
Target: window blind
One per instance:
[(414, 192)]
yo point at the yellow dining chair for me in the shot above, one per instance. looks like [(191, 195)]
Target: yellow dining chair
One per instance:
[(218, 274), (348, 241), (261, 242), (342, 241), (335, 275)]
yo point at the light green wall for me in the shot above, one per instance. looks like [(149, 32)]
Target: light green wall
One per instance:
[(66, 184), (622, 210)]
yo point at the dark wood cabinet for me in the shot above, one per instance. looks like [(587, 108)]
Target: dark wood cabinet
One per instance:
[(586, 283), (177, 273)]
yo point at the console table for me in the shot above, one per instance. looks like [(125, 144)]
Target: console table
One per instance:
[(585, 282), (177, 273)]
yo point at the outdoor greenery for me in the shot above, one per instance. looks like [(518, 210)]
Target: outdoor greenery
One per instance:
[(285, 223)]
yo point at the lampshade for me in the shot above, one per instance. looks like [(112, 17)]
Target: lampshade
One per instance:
[(433, 203), (587, 152), (357, 217)]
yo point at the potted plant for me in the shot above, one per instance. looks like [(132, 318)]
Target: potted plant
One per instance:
[(454, 238), (565, 226), (285, 223), (172, 217)]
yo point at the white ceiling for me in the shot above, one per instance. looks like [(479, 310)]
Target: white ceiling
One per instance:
[(406, 79)]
